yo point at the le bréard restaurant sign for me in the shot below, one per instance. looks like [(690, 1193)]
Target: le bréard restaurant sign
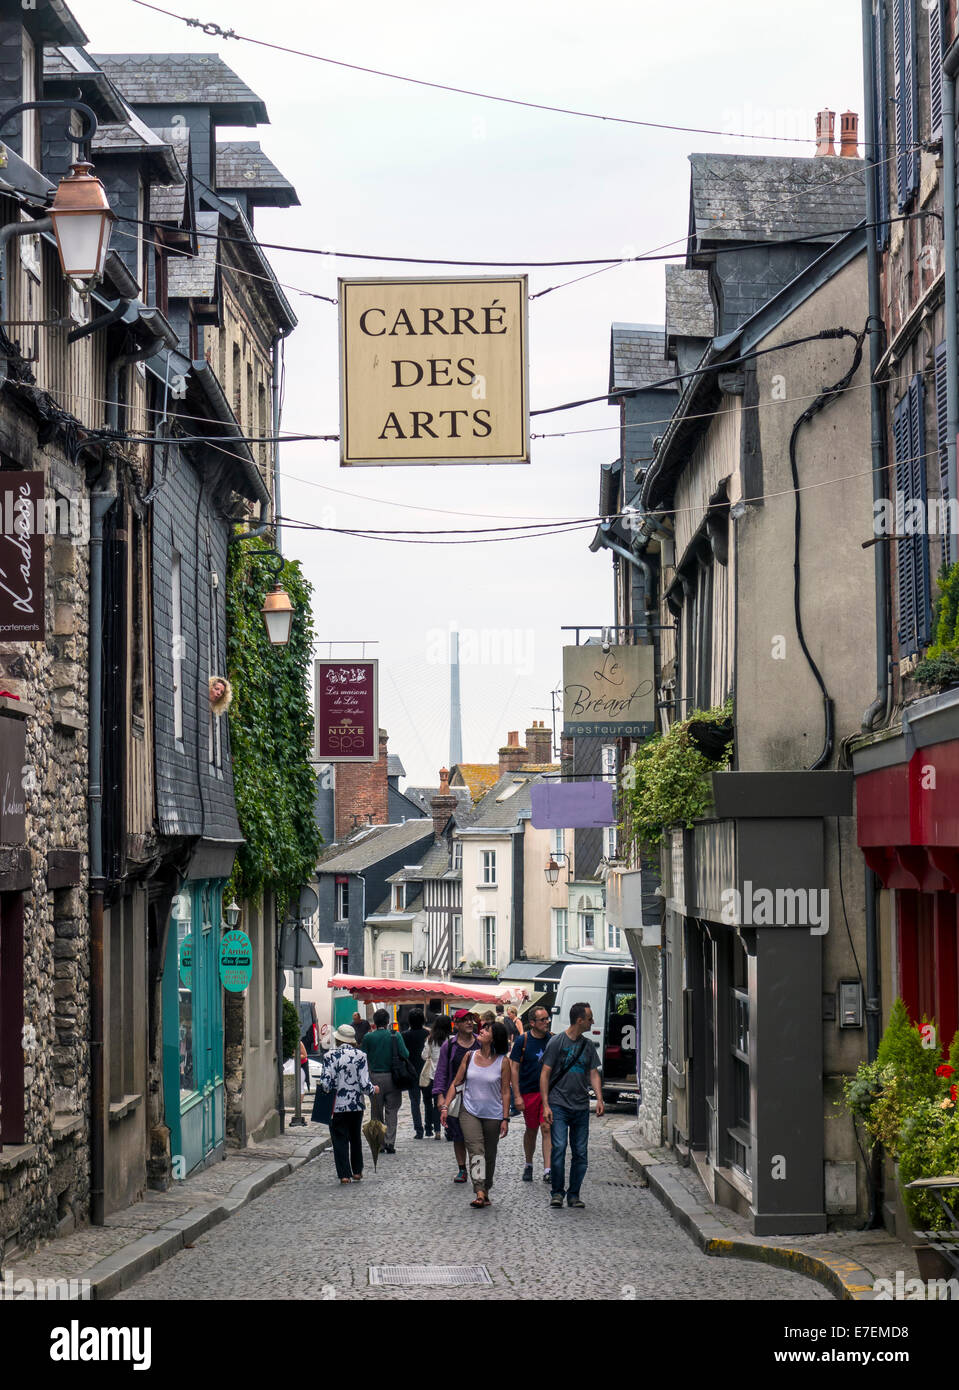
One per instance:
[(608, 693), (433, 371), (345, 698)]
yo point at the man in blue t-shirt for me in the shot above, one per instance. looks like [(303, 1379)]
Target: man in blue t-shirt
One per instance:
[(526, 1060)]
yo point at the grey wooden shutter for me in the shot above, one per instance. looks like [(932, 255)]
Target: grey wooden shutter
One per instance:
[(942, 445), (935, 68), (881, 155)]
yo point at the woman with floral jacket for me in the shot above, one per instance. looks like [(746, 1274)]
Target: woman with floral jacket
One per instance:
[(346, 1073)]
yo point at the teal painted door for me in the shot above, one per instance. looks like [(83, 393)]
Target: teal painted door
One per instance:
[(193, 1026)]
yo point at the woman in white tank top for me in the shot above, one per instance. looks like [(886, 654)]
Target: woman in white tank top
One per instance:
[(484, 1116)]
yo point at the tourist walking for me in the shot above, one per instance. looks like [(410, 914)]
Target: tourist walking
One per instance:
[(508, 1023), (440, 1031), (526, 1062), (451, 1055), (485, 1079), (512, 1014), (345, 1072), (381, 1046), (360, 1027), (570, 1067), (415, 1036)]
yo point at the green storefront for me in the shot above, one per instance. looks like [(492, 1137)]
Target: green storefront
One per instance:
[(193, 1026)]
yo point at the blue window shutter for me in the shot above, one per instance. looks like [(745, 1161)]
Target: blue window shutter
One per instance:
[(935, 68), (942, 445), (917, 475), (882, 113), (910, 69), (905, 570), (899, 97)]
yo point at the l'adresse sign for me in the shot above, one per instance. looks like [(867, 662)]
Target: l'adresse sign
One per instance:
[(433, 371)]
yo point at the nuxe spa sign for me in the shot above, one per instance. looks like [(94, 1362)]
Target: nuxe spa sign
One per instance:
[(433, 371)]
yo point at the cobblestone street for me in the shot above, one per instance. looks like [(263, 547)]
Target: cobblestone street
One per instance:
[(311, 1238)]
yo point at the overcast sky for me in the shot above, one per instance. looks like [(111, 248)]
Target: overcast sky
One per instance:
[(390, 168)]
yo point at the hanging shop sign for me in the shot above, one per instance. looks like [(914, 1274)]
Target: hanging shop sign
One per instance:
[(186, 961), (21, 557), (347, 716), (608, 694), (571, 805), (434, 371), (236, 961)]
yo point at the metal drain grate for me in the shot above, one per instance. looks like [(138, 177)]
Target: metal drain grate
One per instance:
[(444, 1276)]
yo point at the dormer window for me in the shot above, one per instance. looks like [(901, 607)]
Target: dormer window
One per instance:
[(399, 897)]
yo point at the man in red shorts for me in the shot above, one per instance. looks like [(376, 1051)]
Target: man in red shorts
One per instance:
[(526, 1062)]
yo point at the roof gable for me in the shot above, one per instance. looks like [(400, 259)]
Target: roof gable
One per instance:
[(745, 197), (185, 79)]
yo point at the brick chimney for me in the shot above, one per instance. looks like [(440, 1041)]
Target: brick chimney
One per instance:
[(849, 135), (512, 756), (539, 743), (443, 804), (826, 132), (361, 793)]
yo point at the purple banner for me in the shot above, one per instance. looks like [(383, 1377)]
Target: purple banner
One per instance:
[(571, 805)]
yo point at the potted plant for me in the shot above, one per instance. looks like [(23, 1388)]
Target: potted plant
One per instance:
[(668, 780), (906, 1101), (939, 669)]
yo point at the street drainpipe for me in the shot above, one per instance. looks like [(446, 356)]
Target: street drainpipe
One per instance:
[(276, 388), (101, 502), (639, 563)]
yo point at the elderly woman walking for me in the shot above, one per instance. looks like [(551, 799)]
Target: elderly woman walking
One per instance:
[(485, 1100), (346, 1073)]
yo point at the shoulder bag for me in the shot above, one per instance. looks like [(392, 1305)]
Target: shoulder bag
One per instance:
[(456, 1104), (402, 1070), (571, 1060)]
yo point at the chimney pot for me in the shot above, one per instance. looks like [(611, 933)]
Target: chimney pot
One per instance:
[(826, 132), (849, 135)]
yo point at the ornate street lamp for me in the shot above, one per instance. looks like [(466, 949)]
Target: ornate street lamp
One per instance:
[(80, 216), (277, 615), (232, 914), (82, 219), (552, 868)]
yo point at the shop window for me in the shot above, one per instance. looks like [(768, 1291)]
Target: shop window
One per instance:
[(739, 1131)]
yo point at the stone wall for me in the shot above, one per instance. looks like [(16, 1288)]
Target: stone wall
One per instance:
[(44, 1184)]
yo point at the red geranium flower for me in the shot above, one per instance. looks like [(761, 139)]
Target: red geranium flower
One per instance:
[(945, 1069), (952, 1091)]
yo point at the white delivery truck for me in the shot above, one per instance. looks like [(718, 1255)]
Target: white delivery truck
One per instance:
[(610, 991)]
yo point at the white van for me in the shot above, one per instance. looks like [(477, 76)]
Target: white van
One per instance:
[(610, 991)]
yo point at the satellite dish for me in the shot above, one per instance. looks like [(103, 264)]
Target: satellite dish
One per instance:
[(308, 903)]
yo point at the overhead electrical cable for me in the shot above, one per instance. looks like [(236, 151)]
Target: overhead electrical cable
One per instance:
[(218, 32)]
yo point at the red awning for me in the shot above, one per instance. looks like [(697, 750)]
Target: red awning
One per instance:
[(369, 990)]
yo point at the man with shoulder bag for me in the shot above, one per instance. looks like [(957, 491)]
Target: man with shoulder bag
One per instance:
[(570, 1067), (389, 1060)]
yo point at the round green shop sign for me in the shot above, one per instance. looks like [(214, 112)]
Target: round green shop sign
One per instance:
[(236, 961)]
